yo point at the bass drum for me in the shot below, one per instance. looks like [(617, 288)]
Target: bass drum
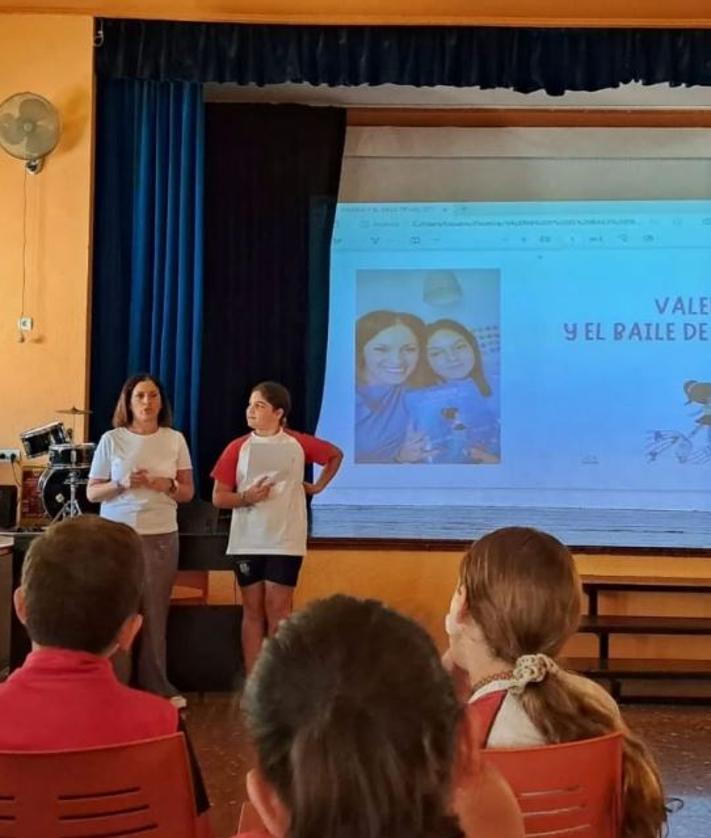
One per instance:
[(53, 487)]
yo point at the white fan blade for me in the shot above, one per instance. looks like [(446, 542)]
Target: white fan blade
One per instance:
[(40, 142), (33, 109)]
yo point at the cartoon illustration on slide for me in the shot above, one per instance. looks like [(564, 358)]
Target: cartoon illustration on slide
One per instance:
[(699, 392), (686, 447)]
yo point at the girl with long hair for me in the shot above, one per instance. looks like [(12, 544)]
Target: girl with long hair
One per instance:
[(517, 602), (457, 410), (358, 733)]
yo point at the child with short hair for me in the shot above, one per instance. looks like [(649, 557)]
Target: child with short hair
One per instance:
[(79, 598), (517, 602)]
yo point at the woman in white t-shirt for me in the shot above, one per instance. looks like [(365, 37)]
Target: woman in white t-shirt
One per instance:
[(260, 477), (140, 472)]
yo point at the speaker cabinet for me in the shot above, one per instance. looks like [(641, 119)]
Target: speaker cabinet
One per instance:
[(8, 507), (204, 648)]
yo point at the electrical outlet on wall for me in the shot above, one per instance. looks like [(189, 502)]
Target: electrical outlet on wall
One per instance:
[(9, 455), (25, 324)]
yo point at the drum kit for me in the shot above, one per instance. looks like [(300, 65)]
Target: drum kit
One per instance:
[(62, 485)]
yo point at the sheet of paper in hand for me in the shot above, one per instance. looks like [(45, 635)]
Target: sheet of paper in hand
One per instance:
[(273, 461)]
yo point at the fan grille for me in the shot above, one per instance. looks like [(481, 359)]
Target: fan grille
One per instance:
[(29, 126)]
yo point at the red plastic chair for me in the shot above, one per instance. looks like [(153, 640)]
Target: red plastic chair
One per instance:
[(573, 790), (143, 788)]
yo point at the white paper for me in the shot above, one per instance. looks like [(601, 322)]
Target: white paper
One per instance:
[(270, 461)]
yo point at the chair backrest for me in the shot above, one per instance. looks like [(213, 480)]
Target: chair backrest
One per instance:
[(573, 790), (142, 788)]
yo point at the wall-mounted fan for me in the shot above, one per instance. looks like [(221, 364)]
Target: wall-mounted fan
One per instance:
[(29, 128)]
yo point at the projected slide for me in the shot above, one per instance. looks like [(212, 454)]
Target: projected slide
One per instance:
[(527, 354)]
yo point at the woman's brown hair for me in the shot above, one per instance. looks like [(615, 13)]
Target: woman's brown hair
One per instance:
[(355, 723), (123, 415), (523, 592)]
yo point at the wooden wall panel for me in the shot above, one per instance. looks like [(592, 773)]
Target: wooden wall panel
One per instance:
[(645, 13)]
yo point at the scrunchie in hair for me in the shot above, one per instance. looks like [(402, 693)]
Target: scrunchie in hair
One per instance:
[(531, 669)]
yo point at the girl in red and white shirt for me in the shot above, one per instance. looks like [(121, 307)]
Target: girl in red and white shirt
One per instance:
[(265, 489)]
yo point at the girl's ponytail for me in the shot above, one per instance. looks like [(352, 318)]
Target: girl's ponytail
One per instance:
[(564, 711)]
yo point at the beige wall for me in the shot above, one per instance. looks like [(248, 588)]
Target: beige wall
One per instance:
[(51, 56)]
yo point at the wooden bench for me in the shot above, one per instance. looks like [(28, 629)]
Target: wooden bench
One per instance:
[(615, 671)]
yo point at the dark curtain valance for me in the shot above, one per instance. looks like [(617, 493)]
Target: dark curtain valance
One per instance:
[(554, 60)]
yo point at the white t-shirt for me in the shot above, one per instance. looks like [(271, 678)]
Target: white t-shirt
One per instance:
[(162, 454), (513, 728), (277, 525)]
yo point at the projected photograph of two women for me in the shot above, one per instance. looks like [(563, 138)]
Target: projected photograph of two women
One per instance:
[(427, 367)]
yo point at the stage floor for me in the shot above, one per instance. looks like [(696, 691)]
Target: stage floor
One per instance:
[(580, 528)]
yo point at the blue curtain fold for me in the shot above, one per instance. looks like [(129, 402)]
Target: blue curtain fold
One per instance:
[(522, 59), (147, 301)]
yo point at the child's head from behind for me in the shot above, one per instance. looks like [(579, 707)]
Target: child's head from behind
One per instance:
[(81, 584), (521, 591), (355, 725), (520, 595)]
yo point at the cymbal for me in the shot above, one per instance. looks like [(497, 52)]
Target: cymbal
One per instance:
[(74, 411)]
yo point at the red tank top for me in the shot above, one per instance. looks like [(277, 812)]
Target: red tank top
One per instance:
[(485, 710)]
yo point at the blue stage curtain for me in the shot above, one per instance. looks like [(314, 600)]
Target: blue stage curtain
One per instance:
[(523, 59), (147, 300)]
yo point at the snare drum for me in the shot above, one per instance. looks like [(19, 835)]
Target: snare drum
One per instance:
[(37, 441), (71, 455)]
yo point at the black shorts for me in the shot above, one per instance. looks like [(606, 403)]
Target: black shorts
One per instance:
[(282, 570)]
